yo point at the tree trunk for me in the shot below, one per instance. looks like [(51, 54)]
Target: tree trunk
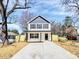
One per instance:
[(4, 28)]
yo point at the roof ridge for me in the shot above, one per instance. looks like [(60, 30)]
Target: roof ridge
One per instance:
[(40, 17)]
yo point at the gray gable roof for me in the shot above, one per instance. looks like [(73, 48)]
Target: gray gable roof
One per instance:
[(39, 19)]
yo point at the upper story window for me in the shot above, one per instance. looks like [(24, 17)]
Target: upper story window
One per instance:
[(45, 26), (32, 26), (39, 26)]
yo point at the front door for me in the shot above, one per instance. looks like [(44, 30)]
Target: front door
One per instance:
[(46, 36)]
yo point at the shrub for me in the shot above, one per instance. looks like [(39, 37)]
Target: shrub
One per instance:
[(71, 37), (63, 39)]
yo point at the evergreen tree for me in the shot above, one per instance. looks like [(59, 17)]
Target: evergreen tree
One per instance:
[(68, 22)]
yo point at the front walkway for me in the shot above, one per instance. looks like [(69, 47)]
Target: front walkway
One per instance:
[(46, 50)]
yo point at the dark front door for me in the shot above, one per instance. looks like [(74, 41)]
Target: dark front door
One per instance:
[(46, 36)]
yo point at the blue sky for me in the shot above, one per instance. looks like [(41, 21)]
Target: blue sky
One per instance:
[(49, 9)]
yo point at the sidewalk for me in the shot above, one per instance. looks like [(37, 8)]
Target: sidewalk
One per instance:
[(46, 50)]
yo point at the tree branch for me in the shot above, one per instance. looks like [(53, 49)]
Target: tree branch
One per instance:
[(72, 6), (15, 7), (7, 4), (12, 10), (1, 7)]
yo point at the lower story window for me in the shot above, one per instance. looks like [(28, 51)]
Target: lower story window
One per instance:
[(34, 35)]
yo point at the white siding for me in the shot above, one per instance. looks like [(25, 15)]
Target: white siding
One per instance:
[(39, 20)]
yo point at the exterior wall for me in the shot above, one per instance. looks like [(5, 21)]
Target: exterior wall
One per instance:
[(41, 36), (41, 31)]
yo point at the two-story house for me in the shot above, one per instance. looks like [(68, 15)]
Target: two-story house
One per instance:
[(39, 29)]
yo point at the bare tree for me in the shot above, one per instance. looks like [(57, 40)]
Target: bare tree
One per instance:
[(25, 18), (71, 5), (75, 22), (56, 28), (5, 14)]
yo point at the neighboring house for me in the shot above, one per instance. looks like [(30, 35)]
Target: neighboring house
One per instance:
[(11, 36), (39, 29), (71, 30)]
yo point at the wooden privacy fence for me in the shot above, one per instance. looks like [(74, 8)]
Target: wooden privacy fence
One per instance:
[(20, 38), (23, 38), (56, 38)]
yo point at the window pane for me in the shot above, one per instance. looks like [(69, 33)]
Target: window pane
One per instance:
[(45, 26), (32, 26), (39, 26), (31, 35), (34, 35)]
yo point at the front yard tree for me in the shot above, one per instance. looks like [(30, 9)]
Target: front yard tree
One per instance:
[(5, 13)]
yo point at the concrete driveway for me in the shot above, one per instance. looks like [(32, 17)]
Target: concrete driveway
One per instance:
[(46, 50)]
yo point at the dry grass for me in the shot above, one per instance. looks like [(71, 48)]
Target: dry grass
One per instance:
[(72, 46), (8, 51)]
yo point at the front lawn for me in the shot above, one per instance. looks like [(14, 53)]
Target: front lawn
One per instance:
[(72, 46), (8, 51)]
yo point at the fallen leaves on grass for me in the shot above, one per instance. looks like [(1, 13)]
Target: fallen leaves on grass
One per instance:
[(72, 46), (8, 51)]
